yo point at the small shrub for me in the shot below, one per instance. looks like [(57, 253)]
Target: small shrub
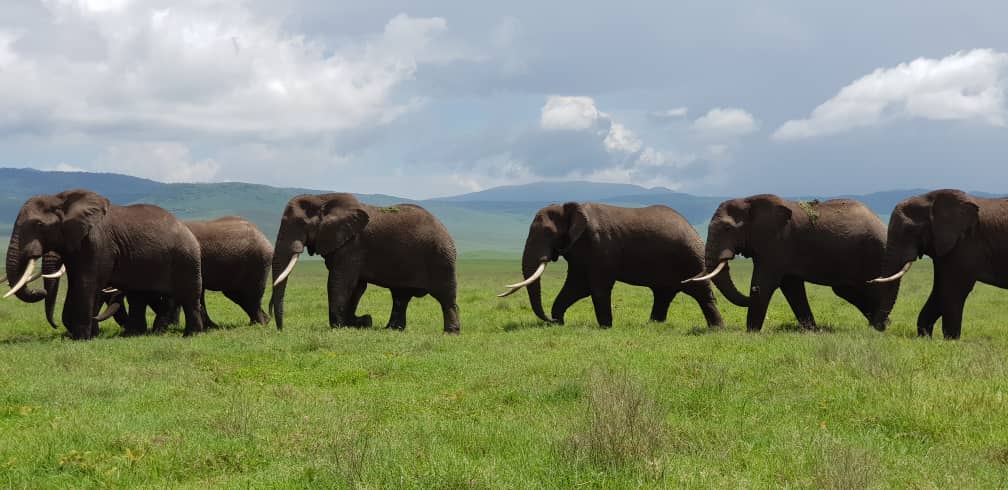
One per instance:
[(622, 423)]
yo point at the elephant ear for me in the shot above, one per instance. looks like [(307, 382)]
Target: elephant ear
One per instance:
[(768, 217), (575, 212), (339, 225), (952, 215), (81, 210)]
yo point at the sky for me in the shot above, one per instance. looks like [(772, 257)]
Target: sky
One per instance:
[(432, 98)]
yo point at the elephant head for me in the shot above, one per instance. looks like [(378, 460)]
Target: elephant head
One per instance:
[(321, 223), (929, 224), (555, 230), (741, 227), (58, 223)]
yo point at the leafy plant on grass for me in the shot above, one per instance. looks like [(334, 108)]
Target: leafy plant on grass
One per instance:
[(622, 423)]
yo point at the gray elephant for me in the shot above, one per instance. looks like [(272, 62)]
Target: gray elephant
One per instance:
[(837, 243), (402, 247), (654, 247), (235, 259), (966, 236), (137, 247)]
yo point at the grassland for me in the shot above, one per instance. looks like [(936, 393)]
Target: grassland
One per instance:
[(511, 403)]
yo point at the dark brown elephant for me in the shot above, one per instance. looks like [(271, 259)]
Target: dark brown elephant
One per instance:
[(138, 247), (654, 247), (402, 247), (235, 259), (966, 237), (837, 243)]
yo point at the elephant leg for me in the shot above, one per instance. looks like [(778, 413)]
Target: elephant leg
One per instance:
[(953, 295), (929, 314), (662, 298), (762, 288), (446, 297), (344, 287), (794, 291), (207, 322), (575, 288), (400, 301), (136, 323), (363, 321), (703, 293), (601, 294), (862, 298), (249, 302)]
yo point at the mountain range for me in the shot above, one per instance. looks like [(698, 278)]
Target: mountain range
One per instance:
[(492, 220)]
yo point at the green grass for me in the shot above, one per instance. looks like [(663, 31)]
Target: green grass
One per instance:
[(511, 403)]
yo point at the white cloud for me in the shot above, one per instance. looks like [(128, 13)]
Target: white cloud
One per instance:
[(726, 122), (64, 167), (621, 139), (569, 113), (203, 67), (165, 162), (963, 86), (674, 113)]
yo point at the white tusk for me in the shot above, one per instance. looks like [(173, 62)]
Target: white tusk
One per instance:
[(707, 276), (24, 279), (110, 290), (286, 272), (518, 285), (509, 292), (54, 275), (893, 277)]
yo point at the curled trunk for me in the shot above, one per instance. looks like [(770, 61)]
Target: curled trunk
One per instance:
[(726, 285), (530, 262), (15, 269)]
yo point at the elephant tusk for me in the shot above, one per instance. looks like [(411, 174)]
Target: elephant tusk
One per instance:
[(109, 311), (518, 285), (110, 290), (57, 274), (893, 277), (24, 279), (705, 277), (286, 272)]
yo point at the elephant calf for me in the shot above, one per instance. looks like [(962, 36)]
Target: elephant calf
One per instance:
[(653, 247), (966, 236), (837, 243), (402, 247)]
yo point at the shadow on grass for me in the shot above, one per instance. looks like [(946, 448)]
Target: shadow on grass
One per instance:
[(796, 328), (515, 326)]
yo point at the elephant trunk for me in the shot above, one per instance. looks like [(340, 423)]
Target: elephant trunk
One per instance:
[(16, 264), (531, 260), (723, 281), (51, 263), (715, 254), (285, 255)]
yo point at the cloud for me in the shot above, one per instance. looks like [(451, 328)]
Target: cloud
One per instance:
[(569, 113), (165, 162), (669, 114), (204, 67), (967, 85), (725, 122)]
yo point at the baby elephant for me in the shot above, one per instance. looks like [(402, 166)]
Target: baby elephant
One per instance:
[(654, 247)]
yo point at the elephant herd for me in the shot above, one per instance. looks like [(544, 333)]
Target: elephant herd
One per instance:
[(130, 258)]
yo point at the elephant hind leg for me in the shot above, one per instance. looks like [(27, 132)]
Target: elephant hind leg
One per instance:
[(703, 293), (794, 291), (662, 299), (250, 303), (400, 302), (449, 310), (861, 297)]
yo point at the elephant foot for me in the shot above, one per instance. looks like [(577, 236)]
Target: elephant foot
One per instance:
[(453, 331), (363, 321), (923, 332), (395, 326)]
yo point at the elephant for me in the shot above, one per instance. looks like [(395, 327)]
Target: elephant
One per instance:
[(235, 259), (653, 247), (837, 243), (966, 237), (138, 247), (403, 248)]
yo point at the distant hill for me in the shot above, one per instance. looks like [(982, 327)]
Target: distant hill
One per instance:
[(493, 220)]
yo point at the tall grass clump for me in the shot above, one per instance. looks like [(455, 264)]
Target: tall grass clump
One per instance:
[(622, 423)]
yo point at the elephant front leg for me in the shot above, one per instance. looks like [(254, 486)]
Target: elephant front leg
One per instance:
[(575, 288), (341, 286), (601, 294), (953, 295), (929, 314), (660, 305), (136, 322), (80, 308), (762, 288), (794, 291)]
